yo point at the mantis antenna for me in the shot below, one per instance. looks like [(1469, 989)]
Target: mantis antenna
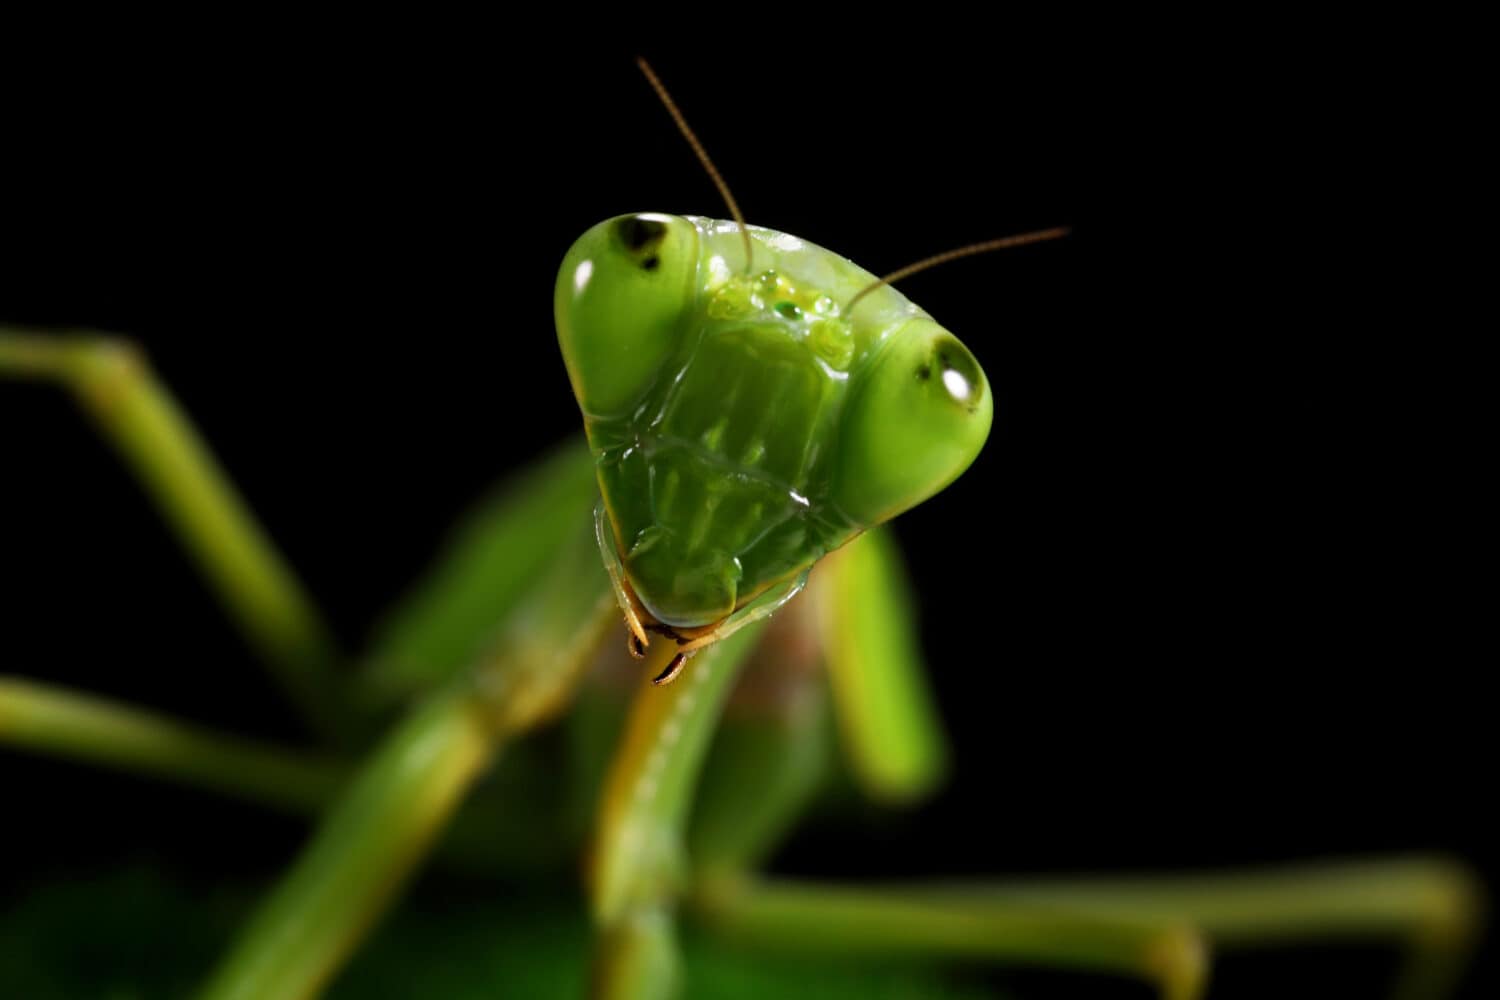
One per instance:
[(1004, 242), (687, 133)]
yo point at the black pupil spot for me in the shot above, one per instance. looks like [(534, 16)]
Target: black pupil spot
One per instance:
[(788, 309), (640, 236), (924, 373)]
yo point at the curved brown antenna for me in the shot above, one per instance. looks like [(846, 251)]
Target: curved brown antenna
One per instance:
[(687, 133), (968, 251)]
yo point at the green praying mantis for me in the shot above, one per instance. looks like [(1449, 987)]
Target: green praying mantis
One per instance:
[(756, 407)]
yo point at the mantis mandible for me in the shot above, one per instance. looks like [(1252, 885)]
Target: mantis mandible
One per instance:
[(488, 655)]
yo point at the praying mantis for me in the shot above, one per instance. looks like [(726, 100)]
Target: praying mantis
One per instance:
[(475, 670)]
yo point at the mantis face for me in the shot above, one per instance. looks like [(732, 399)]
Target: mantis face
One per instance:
[(744, 420)]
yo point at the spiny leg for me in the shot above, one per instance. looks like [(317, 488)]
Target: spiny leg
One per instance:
[(139, 417)]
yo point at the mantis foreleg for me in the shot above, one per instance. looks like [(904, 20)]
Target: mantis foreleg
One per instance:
[(638, 866)]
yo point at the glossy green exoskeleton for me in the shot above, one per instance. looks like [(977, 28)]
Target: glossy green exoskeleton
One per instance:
[(744, 419)]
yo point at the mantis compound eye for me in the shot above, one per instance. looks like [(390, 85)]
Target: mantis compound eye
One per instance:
[(620, 300), (642, 236), (959, 373), (918, 418)]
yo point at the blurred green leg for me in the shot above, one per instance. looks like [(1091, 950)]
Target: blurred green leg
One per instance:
[(378, 831), (361, 855), (637, 957), (1145, 927), (51, 720), (138, 416), (638, 864), (488, 564), (1431, 906), (825, 919), (45, 719), (887, 720), (768, 758)]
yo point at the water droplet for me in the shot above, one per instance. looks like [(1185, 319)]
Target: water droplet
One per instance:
[(833, 341)]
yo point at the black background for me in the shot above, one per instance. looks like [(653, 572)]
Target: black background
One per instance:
[(1205, 599)]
